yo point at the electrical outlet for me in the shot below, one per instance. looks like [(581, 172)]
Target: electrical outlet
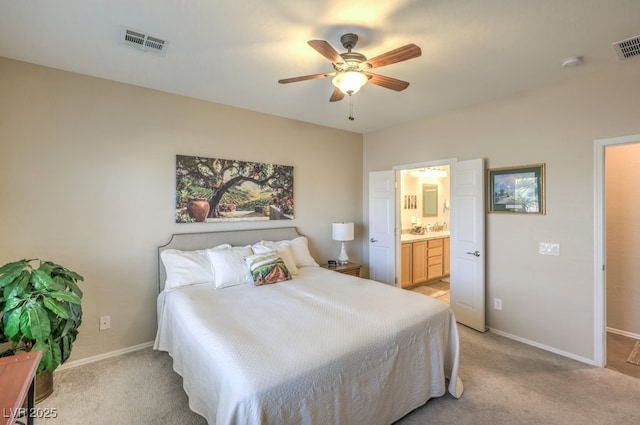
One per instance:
[(105, 322), (497, 304)]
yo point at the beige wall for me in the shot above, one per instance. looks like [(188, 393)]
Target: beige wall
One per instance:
[(546, 300), (87, 180), (622, 189)]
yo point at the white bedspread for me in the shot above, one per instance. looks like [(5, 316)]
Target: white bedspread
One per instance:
[(323, 348)]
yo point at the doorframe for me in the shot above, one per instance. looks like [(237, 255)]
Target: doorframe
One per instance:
[(397, 203), (599, 275)]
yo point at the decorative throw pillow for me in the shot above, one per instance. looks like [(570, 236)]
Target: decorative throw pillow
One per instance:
[(282, 248), (229, 266), (267, 268)]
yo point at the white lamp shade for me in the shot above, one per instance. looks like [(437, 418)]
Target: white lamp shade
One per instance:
[(343, 231), (350, 82)]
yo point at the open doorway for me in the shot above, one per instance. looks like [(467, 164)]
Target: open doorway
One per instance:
[(423, 220), (467, 234), (617, 296)]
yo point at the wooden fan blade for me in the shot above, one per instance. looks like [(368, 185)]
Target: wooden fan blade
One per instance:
[(336, 96), (305, 77), (387, 82), (326, 50), (400, 54)]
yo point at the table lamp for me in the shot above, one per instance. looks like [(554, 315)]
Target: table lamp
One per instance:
[(342, 232)]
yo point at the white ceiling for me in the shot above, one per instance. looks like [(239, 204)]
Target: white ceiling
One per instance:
[(234, 52)]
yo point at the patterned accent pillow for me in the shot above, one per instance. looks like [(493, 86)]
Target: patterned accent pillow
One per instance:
[(281, 248), (267, 268)]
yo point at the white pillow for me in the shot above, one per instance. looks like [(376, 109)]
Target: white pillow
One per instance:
[(186, 268), (229, 266), (300, 249), (282, 248)]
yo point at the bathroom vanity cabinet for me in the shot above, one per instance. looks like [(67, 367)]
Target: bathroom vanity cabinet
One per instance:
[(424, 259)]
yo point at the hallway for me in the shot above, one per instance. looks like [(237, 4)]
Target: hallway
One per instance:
[(618, 349)]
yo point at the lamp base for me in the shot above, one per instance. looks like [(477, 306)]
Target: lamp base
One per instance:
[(343, 258)]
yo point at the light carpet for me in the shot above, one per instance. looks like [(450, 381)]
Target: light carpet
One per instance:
[(505, 383), (634, 357)]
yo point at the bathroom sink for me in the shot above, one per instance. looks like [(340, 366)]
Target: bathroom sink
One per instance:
[(407, 237)]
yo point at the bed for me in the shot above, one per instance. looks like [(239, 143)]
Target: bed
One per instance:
[(318, 347)]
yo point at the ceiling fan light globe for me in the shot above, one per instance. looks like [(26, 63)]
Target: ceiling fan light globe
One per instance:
[(350, 82)]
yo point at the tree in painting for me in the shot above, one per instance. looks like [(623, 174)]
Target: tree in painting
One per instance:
[(233, 189)]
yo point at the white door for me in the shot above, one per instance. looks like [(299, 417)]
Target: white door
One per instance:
[(381, 226), (467, 243)]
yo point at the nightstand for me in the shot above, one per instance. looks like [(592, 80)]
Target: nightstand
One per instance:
[(352, 269)]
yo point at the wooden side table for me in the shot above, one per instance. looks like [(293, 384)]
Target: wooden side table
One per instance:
[(352, 269), (17, 380)]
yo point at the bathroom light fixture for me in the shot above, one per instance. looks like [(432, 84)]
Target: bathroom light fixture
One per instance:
[(342, 232), (433, 172), (349, 82)]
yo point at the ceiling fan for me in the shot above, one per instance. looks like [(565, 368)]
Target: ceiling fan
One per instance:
[(351, 69)]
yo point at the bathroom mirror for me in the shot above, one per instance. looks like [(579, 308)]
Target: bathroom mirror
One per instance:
[(429, 200)]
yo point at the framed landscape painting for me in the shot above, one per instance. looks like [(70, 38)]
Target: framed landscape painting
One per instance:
[(223, 190), (516, 190)]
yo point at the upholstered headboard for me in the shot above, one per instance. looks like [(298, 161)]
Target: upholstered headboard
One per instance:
[(193, 241)]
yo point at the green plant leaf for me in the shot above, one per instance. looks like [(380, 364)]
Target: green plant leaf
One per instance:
[(8, 289), (74, 288), (11, 322), (45, 348), (72, 275), (75, 311), (20, 286), (10, 271), (59, 284), (12, 303), (47, 267), (65, 347), (57, 307), (56, 355), (68, 325), (57, 269), (34, 322), (40, 279), (66, 296)]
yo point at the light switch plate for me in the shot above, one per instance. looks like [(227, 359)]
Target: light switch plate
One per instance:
[(547, 248)]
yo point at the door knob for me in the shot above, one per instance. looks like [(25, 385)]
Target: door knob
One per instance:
[(476, 253), (373, 240)]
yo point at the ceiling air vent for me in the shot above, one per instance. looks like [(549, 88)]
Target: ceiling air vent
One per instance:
[(628, 48), (144, 42)]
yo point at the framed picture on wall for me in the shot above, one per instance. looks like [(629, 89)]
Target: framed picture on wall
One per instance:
[(215, 190), (516, 190)]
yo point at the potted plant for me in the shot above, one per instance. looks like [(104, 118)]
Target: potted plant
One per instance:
[(40, 309)]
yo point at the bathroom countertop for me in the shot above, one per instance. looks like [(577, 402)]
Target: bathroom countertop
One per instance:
[(408, 237)]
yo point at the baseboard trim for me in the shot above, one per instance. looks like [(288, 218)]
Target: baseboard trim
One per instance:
[(623, 333), (544, 347), (103, 356)]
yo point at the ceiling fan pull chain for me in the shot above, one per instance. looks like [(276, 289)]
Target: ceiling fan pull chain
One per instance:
[(351, 108)]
